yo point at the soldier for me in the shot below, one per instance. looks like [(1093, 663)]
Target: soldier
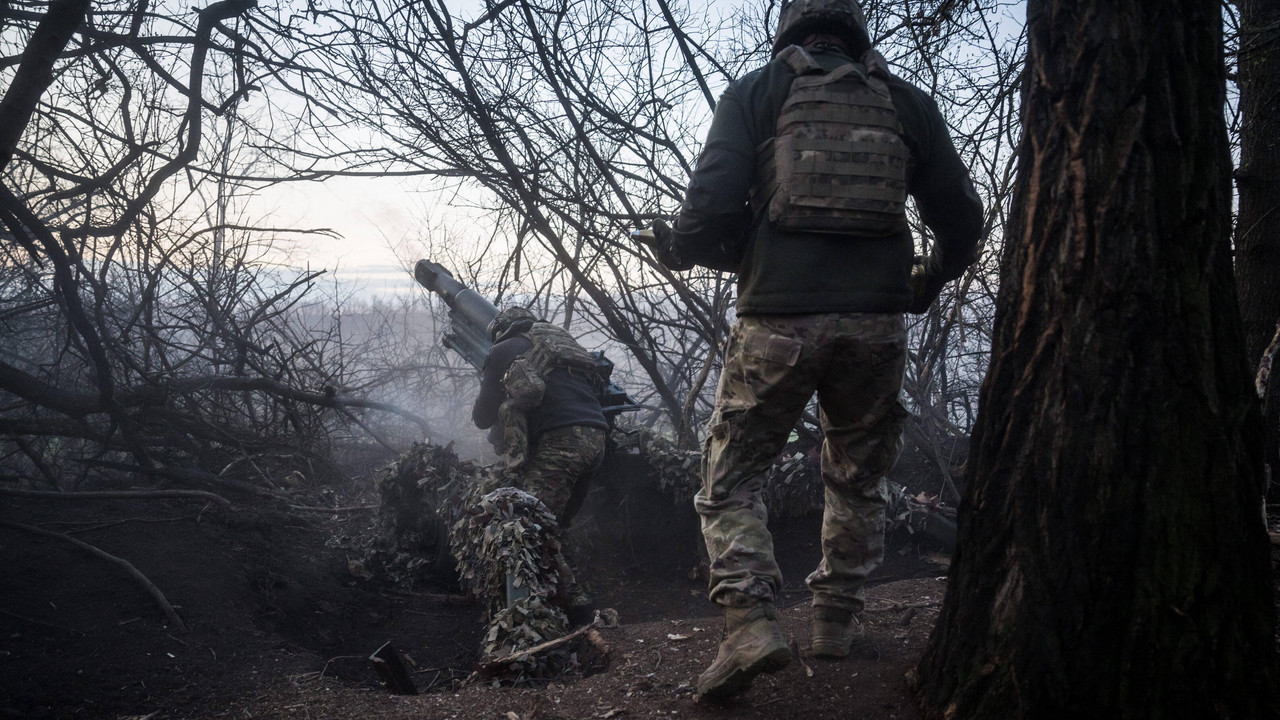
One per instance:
[(801, 190), (538, 399)]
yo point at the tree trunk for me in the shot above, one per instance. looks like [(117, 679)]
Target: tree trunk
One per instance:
[(1258, 180), (1112, 562), (35, 72)]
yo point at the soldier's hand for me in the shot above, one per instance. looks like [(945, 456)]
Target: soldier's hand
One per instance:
[(644, 237), (925, 288), (661, 240)]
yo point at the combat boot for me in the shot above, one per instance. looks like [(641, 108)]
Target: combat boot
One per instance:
[(753, 644), (837, 633)]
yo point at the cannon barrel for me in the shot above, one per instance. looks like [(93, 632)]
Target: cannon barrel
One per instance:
[(469, 312)]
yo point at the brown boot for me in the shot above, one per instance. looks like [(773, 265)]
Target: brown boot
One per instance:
[(753, 644), (838, 633)]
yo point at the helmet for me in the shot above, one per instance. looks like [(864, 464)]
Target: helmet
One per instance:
[(509, 322), (843, 18)]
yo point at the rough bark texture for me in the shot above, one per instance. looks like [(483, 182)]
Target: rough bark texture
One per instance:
[(1112, 562), (1258, 180)]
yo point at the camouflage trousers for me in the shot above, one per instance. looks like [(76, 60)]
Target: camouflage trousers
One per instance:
[(773, 365), (558, 471)]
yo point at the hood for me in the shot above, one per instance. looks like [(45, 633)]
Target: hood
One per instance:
[(842, 18)]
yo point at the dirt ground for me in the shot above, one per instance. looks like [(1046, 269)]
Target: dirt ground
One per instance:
[(278, 626)]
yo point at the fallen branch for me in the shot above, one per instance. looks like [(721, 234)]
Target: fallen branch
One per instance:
[(895, 607), (496, 666), (127, 566), (118, 495), (78, 405), (40, 622), (349, 508), (157, 393)]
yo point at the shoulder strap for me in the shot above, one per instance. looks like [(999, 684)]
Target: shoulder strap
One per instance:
[(877, 71), (799, 60), (553, 346), (876, 64)]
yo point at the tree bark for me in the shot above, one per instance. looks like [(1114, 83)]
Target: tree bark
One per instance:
[(1112, 561), (1258, 182), (36, 71)]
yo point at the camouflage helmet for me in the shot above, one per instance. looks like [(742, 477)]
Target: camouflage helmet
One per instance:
[(509, 322), (843, 18)]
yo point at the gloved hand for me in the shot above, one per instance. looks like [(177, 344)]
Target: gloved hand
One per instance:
[(664, 247), (925, 287)]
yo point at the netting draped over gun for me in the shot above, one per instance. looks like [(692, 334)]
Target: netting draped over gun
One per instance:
[(469, 317)]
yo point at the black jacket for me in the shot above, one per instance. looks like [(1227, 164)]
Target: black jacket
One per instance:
[(809, 273), (568, 400)]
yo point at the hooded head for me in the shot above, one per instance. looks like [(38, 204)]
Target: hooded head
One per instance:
[(512, 321), (842, 18)]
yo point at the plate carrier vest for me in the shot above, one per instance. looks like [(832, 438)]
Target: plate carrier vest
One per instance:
[(526, 382), (837, 162)]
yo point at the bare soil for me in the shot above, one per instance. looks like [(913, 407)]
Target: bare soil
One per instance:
[(278, 626)]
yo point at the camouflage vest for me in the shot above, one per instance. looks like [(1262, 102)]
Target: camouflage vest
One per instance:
[(837, 163), (526, 382)]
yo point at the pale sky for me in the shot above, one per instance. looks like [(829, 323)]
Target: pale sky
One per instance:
[(373, 217)]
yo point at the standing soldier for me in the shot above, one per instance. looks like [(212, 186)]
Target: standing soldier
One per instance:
[(801, 189), (538, 399)]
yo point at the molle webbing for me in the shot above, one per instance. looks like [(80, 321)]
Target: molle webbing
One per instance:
[(526, 382), (554, 347), (837, 162)]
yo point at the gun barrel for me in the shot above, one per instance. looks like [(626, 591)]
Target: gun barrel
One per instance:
[(434, 277), (468, 303), (469, 311)]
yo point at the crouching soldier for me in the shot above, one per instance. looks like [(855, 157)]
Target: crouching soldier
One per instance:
[(539, 400)]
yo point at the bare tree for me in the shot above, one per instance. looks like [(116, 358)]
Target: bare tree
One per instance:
[(565, 124), (573, 121), (144, 330)]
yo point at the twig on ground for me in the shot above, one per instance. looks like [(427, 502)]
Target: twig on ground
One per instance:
[(493, 666), (83, 527), (40, 622), (895, 607), (336, 657), (349, 508), (127, 566), (118, 495)]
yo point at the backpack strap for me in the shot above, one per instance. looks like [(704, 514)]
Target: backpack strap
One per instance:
[(877, 72), (799, 60)]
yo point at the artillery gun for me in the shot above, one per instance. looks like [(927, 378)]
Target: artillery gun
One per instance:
[(468, 335)]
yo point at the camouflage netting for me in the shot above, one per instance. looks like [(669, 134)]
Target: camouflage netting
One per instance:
[(443, 519), (422, 494), (508, 548), (507, 533), (794, 487), (447, 520), (920, 515), (676, 472)]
